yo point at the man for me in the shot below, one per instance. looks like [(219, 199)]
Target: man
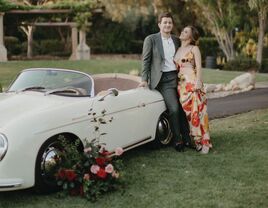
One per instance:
[(159, 72)]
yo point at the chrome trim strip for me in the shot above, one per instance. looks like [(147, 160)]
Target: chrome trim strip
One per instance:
[(2, 186), (134, 144)]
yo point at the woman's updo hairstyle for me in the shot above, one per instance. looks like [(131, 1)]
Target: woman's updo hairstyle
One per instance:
[(195, 35)]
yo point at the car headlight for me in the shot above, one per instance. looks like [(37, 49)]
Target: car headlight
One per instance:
[(3, 146)]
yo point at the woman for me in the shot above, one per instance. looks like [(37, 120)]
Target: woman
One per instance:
[(190, 88)]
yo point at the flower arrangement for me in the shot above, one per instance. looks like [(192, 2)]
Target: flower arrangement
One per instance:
[(90, 174)]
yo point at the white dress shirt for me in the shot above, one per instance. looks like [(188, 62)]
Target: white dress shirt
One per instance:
[(169, 52)]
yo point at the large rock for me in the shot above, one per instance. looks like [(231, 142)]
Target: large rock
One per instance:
[(241, 83)]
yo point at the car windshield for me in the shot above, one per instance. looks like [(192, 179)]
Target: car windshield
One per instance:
[(53, 81)]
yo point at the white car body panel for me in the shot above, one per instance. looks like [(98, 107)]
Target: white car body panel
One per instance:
[(29, 118)]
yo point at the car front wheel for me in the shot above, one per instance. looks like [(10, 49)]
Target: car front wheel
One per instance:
[(46, 166), (48, 162)]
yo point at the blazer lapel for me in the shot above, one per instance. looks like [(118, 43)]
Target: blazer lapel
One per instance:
[(160, 45), (176, 43)]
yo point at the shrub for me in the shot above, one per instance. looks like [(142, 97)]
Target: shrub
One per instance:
[(114, 38), (110, 37), (13, 45), (136, 46), (241, 64), (265, 52), (1, 89), (50, 46), (264, 66), (208, 46)]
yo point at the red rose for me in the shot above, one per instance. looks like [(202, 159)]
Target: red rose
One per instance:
[(195, 119), (100, 161), (61, 174), (101, 173), (70, 175)]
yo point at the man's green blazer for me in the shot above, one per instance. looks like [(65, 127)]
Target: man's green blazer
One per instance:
[(153, 58)]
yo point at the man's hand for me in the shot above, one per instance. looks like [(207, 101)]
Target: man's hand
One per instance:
[(143, 84)]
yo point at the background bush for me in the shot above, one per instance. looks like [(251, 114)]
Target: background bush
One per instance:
[(208, 47), (264, 66), (109, 37), (241, 64), (12, 45), (48, 46)]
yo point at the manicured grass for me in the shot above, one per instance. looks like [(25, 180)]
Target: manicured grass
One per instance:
[(233, 174), (9, 70)]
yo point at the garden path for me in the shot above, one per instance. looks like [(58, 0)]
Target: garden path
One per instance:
[(238, 103)]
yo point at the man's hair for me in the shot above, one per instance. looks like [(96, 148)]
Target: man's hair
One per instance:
[(165, 14)]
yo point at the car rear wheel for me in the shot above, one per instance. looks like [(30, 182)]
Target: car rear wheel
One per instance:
[(163, 134)]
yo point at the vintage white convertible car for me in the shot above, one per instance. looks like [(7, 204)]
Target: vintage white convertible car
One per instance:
[(43, 103)]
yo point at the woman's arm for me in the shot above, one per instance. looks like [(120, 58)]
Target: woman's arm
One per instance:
[(198, 67)]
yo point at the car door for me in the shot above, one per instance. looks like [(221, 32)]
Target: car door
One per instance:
[(128, 119)]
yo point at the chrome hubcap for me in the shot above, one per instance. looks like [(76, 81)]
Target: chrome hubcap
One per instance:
[(49, 163), (163, 130)]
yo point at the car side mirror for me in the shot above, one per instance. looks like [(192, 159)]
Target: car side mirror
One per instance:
[(111, 91)]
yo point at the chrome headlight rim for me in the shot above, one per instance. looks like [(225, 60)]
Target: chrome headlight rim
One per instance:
[(5, 147)]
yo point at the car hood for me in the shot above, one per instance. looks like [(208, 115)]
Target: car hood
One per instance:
[(15, 105)]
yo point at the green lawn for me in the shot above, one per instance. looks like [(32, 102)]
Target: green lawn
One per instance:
[(234, 174), (8, 70)]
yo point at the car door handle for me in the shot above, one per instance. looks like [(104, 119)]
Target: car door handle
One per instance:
[(142, 105)]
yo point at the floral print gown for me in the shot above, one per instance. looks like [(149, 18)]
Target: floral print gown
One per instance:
[(194, 103)]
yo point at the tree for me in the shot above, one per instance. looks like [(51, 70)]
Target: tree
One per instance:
[(222, 17), (80, 12), (261, 7)]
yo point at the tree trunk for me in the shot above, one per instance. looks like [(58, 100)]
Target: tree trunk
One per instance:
[(28, 30), (262, 25), (30, 42), (225, 41)]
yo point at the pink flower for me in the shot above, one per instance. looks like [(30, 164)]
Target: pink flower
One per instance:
[(87, 150), (119, 151), (115, 174), (86, 177), (109, 168), (94, 169)]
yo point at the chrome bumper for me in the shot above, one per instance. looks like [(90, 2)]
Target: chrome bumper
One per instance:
[(10, 183)]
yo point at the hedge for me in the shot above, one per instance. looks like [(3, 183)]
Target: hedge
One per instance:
[(13, 45), (208, 46), (264, 66), (241, 64)]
